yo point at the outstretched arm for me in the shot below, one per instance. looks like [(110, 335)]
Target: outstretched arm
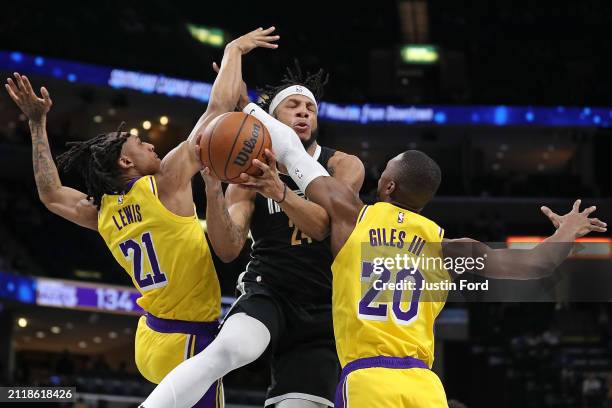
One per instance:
[(534, 263), (64, 201), (181, 164)]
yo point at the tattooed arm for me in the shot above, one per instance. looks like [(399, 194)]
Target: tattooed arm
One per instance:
[(228, 217), (64, 201)]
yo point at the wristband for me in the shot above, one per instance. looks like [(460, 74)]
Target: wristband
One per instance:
[(284, 195)]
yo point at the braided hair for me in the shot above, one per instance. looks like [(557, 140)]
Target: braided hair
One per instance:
[(96, 160), (315, 82)]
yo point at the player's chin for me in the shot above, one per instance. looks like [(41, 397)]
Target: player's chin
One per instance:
[(305, 135)]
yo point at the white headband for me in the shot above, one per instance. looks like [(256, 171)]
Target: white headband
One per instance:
[(292, 90)]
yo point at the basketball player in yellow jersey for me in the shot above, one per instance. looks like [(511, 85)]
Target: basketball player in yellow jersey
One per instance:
[(143, 209), (385, 345)]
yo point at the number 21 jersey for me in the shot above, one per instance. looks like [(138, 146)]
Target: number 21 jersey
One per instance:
[(166, 255)]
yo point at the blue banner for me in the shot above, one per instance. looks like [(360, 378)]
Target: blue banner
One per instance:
[(436, 115)]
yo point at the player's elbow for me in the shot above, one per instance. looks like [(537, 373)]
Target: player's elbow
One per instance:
[(228, 254), (320, 233), (48, 199)]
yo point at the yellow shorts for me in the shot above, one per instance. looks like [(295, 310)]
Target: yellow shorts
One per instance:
[(390, 387), (162, 344)]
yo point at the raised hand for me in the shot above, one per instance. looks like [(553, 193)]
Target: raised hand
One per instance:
[(21, 92), (254, 39), (576, 221)]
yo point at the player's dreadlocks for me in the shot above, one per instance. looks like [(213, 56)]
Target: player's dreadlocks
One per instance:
[(314, 82), (96, 160)]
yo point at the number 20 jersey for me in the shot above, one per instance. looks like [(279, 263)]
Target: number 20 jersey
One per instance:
[(388, 321), (166, 255)]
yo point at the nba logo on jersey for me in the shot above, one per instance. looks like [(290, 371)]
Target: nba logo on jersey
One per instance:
[(400, 217), (120, 199), (298, 173)]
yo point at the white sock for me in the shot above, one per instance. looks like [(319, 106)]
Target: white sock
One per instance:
[(242, 339), (288, 148), (298, 403)]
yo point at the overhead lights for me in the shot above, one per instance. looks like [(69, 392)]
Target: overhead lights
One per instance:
[(22, 322)]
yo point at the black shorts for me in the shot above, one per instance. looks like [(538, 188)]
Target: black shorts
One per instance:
[(302, 350)]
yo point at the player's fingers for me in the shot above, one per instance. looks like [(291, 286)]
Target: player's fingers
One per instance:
[(589, 210), (552, 216), (247, 181), (261, 165), (547, 211), (267, 30), (215, 67), (270, 157), (576, 206), (597, 229), (269, 38), (265, 44), (13, 86), (598, 222), (246, 178), (11, 93), (19, 81), (45, 94), (28, 85)]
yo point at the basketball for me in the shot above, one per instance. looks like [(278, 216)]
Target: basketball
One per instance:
[(231, 142)]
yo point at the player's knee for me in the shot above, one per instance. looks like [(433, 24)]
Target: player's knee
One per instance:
[(242, 340), (240, 353)]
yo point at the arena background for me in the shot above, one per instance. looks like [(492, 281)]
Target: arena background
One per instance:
[(514, 102)]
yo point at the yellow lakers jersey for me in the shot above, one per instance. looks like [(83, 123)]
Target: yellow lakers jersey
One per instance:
[(166, 255), (388, 286)]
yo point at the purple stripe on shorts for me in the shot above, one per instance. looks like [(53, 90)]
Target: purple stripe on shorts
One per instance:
[(208, 329), (373, 362), (202, 334)]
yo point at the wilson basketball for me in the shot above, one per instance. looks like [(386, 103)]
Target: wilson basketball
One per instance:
[(231, 142)]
